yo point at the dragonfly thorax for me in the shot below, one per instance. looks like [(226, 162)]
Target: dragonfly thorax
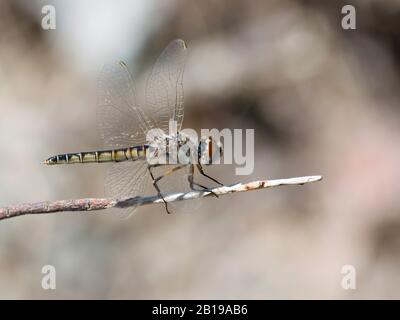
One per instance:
[(183, 149)]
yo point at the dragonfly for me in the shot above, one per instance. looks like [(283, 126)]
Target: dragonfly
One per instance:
[(124, 126)]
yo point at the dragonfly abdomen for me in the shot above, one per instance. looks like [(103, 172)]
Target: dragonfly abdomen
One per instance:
[(115, 155)]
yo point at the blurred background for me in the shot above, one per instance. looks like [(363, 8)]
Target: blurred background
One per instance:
[(322, 100)]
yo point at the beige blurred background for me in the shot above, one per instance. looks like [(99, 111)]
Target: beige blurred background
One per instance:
[(322, 100)]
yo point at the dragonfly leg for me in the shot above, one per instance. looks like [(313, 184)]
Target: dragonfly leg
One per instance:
[(167, 173), (158, 189), (193, 184), (200, 168)]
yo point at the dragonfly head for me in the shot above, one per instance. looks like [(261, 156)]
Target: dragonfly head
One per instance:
[(210, 151)]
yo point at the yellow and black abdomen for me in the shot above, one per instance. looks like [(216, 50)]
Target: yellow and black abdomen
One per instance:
[(115, 155)]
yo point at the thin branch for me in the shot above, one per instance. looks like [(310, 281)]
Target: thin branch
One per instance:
[(91, 204)]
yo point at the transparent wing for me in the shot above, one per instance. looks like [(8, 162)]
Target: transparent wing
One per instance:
[(121, 122), (164, 89), (126, 179)]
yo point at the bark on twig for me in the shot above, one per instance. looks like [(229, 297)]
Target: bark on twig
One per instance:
[(91, 204)]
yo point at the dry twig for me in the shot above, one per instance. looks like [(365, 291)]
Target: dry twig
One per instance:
[(91, 204)]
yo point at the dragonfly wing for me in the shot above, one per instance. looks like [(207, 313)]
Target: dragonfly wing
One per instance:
[(121, 123), (126, 179), (164, 88), (120, 120)]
